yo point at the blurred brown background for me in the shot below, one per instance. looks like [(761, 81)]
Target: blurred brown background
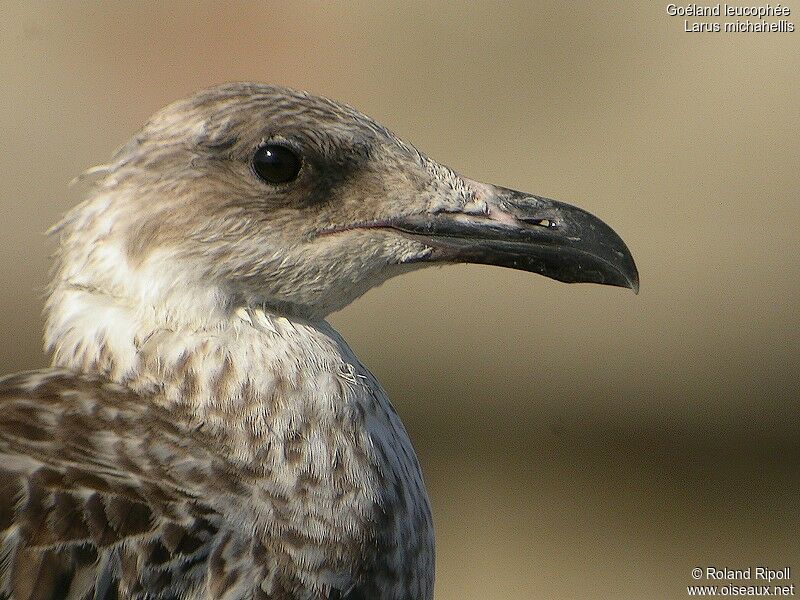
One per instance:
[(578, 441)]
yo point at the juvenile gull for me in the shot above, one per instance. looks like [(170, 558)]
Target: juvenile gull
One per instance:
[(203, 432)]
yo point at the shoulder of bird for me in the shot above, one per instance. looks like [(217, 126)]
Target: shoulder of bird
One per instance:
[(98, 497), (105, 494)]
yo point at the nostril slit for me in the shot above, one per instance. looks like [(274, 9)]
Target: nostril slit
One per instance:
[(546, 223)]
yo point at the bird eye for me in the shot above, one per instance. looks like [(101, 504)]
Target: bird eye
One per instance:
[(276, 164)]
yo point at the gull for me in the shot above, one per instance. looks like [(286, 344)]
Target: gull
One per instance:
[(203, 432)]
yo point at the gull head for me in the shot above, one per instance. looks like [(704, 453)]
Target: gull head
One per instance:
[(257, 195)]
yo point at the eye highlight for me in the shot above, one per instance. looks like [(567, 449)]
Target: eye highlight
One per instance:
[(275, 163)]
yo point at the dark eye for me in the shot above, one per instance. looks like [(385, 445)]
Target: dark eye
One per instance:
[(276, 164)]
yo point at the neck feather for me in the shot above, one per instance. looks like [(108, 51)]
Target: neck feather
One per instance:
[(235, 371)]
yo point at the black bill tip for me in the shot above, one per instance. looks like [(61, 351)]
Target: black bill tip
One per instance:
[(529, 233)]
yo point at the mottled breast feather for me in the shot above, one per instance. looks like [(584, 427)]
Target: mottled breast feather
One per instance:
[(106, 494)]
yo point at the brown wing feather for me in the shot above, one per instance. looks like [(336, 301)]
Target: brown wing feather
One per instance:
[(85, 466)]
